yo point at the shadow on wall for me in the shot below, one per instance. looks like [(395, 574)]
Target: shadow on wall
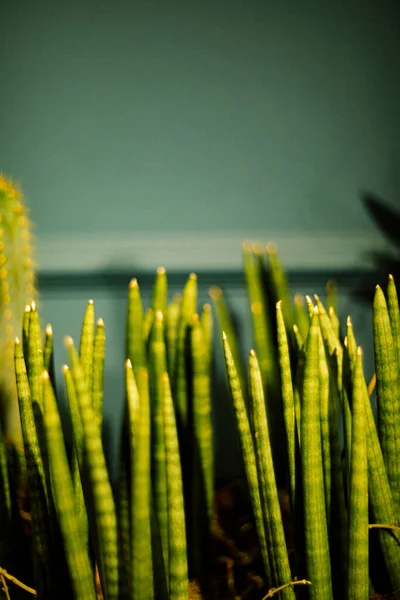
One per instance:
[(387, 219)]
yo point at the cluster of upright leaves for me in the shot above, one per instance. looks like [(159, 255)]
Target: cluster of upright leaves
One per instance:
[(17, 289), (148, 538), (65, 556), (344, 495), (166, 474), (88, 540), (266, 283)]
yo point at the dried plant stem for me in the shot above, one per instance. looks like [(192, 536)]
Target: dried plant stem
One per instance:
[(4, 575), (371, 385), (5, 587), (383, 526), (274, 591)]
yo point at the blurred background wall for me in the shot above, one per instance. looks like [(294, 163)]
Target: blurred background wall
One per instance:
[(165, 132)]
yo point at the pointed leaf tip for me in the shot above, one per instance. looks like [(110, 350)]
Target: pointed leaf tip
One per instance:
[(258, 248), (90, 301), (128, 363), (315, 310), (161, 271), (215, 292), (359, 351), (159, 316), (246, 246), (345, 341), (133, 283), (33, 305), (253, 353), (100, 322), (271, 248), (295, 328), (193, 276), (45, 375), (391, 278), (279, 304), (27, 308), (224, 336), (17, 341), (49, 329), (68, 341), (65, 368), (348, 322), (299, 299)]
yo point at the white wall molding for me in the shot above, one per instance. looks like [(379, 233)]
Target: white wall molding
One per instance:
[(202, 251)]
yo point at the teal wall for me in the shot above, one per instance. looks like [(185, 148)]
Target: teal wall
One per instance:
[(200, 115), (210, 116)]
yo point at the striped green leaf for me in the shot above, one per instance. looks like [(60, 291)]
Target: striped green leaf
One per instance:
[(99, 350), (141, 551), (388, 397), (358, 575), (98, 492), (266, 476), (249, 458), (87, 343), (178, 584), (315, 521), (76, 552)]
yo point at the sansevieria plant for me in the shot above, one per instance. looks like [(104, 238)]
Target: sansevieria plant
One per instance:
[(155, 534), (343, 497)]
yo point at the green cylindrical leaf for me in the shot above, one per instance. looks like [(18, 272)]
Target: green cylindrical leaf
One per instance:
[(35, 472), (70, 523), (99, 499), (388, 396), (178, 585), (248, 454), (316, 531), (301, 316), (160, 291), (289, 413), (77, 450), (266, 475), (87, 343), (141, 551), (324, 399), (226, 325), (202, 489), (180, 387), (394, 315), (358, 576), (99, 350), (135, 344), (171, 330), (157, 366)]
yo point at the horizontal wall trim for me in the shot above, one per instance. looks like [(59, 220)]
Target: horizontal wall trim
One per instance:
[(201, 252)]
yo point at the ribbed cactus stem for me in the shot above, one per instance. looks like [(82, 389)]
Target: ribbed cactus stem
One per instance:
[(17, 289)]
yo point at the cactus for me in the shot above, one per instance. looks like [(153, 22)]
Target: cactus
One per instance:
[(17, 289)]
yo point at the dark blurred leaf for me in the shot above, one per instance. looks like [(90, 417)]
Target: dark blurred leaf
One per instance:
[(384, 215)]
